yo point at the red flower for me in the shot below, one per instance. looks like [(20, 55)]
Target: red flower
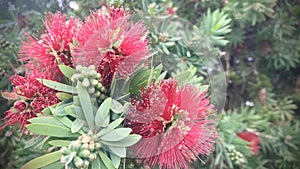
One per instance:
[(112, 41), (253, 140), (58, 36), (173, 123), (31, 98)]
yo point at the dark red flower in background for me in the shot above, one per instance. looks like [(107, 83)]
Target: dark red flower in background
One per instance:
[(253, 140), (174, 124), (113, 42), (58, 36), (31, 98)]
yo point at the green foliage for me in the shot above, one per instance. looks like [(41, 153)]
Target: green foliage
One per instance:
[(215, 25)]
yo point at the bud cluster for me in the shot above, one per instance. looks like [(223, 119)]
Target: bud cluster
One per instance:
[(80, 152), (237, 157), (91, 80)]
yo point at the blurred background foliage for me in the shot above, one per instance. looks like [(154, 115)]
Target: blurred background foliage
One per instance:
[(259, 46)]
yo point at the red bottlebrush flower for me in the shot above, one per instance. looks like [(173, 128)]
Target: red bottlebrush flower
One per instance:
[(112, 41), (174, 124), (253, 140), (31, 98), (58, 36)]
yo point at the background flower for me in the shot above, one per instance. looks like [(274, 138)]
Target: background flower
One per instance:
[(253, 140)]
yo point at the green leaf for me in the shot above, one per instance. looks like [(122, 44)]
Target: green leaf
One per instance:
[(43, 160), (33, 141), (110, 127), (126, 142), (103, 113), (63, 96), (108, 163), (96, 163), (86, 105), (59, 143), (117, 134), (183, 76), (66, 70), (57, 86), (119, 151), (60, 110), (76, 126), (50, 130), (47, 111), (75, 111), (117, 107), (116, 160), (64, 120), (56, 165), (46, 120)]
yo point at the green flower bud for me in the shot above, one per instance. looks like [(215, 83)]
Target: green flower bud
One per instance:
[(92, 156), (92, 67), (79, 68), (91, 90), (85, 82), (78, 162), (97, 145), (102, 89), (94, 82), (92, 73), (98, 75), (85, 153), (86, 163), (85, 146), (65, 151), (64, 159)]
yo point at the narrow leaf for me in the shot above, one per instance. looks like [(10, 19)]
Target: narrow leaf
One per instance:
[(50, 130), (66, 70), (57, 86), (116, 160), (103, 113), (59, 143), (117, 134), (86, 105), (46, 120), (126, 142), (117, 107), (43, 160), (76, 126), (110, 127), (119, 151), (108, 163)]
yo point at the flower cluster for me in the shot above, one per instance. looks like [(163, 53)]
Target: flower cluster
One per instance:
[(168, 123), (108, 39), (174, 125)]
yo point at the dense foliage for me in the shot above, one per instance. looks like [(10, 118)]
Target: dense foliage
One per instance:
[(258, 43)]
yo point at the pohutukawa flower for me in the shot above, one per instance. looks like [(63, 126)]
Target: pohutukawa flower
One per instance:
[(58, 36), (31, 98), (174, 124), (253, 140), (111, 40)]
